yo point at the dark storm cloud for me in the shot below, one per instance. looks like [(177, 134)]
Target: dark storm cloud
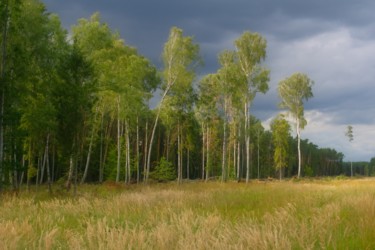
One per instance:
[(214, 23), (331, 41)]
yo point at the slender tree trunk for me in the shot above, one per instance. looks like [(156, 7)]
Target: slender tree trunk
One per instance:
[(234, 157), (43, 168), (93, 131), (47, 165), (158, 146), (167, 146), (68, 183), (23, 172), (137, 152), (127, 170), (126, 156), (203, 150), (38, 171), (107, 135), (239, 153), (181, 155), (75, 178), (299, 148), (101, 150), (247, 136), (53, 164), (238, 160), (15, 171), (153, 131), (146, 154), (208, 153), (30, 162), (223, 168), (188, 165), (118, 141), (258, 158), (179, 174)]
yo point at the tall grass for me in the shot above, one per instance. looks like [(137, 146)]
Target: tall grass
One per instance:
[(273, 215)]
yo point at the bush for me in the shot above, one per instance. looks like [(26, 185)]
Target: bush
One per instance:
[(164, 171)]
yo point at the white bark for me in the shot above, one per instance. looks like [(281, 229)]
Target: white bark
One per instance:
[(47, 165), (179, 174), (93, 131), (203, 150), (223, 168), (127, 164), (137, 151), (118, 141), (154, 129), (208, 153), (299, 147), (146, 155), (247, 138)]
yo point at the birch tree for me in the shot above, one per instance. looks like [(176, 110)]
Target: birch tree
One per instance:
[(293, 91), (251, 52), (226, 79), (349, 135), (206, 113), (180, 58), (280, 137)]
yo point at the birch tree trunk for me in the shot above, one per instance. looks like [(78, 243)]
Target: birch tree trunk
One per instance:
[(208, 153), (167, 146), (93, 131), (42, 170), (223, 169), (247, 136), (203, 150), (137, 152), (68, 183), (178, 153), (188, 165), (153, 131), (299, 147), (146, 155), (127, 160), (238, 160), (101, 164), (118, 141), (235, 156), (47, 165), (258, 157)]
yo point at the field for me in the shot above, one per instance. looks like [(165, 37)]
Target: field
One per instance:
[(314, 214)]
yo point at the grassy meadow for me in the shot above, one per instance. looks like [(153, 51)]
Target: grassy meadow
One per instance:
[(308, 214)]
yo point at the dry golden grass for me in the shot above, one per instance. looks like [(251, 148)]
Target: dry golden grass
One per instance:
[(279, 215)]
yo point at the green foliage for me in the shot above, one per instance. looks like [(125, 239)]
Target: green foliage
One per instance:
[(31, 172), (280, 135), (308, 171), (293, 91), (164, 171)]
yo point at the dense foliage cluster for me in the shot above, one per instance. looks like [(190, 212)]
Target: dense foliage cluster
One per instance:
[(75, 107)]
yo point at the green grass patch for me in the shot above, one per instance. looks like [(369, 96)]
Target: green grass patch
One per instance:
[(309, 214)]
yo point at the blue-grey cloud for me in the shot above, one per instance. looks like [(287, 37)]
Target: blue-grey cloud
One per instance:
[(331, 41)]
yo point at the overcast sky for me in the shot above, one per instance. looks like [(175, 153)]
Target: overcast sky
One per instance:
[(333, 42)]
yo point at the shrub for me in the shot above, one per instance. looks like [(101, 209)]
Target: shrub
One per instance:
[(164, 171)]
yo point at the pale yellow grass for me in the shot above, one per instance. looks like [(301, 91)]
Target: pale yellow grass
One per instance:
[(279, 215)]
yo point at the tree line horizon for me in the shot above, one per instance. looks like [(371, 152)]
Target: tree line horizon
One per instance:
[(74, 109)]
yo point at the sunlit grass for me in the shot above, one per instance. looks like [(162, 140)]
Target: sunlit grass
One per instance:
[(333, 214)]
